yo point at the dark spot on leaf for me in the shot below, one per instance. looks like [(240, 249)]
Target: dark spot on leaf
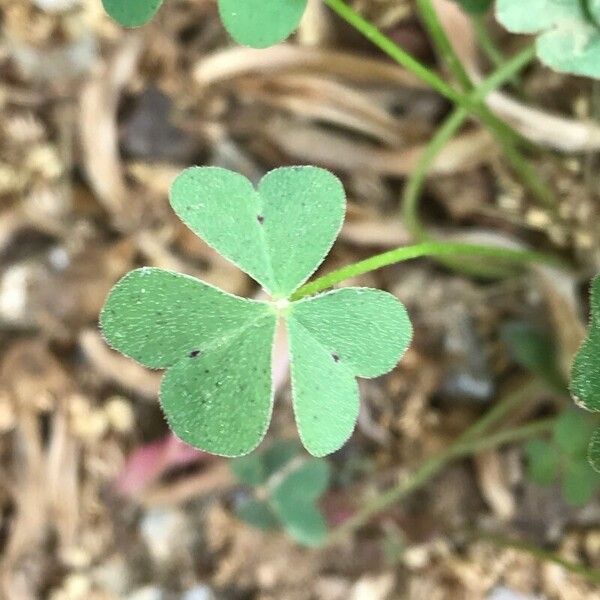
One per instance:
[(260, 219), (194, 353), (335, 357)]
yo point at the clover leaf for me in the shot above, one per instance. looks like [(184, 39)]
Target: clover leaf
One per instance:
[(255, 23), (585, 371), (564, 457), (569, 31), (286, 492), (217, 393)]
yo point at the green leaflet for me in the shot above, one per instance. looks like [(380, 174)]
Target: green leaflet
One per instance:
[(543, 461), (261, 23), (334, 338), (218, 348), (585, 371), (257, 513), (278, 234), (217, 391), (569, 32), (294, 501), (131, 13), (564, 458)]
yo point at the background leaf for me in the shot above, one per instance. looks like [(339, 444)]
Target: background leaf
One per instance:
[(257, 513), (294, 502), (580, 483), (333, 338), (306, 482), (278, 234), (475, 7), (249, 469), (537, 15), (569, 51), (261, 23), (131, 13), (279, 454), (572, 432), (534, 350), (543, 462)]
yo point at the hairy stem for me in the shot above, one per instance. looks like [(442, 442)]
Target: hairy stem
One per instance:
[(425, 249), (474, 440)]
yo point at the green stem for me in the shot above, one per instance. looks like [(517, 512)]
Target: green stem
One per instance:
[(502, 132), (428, 249), (506, 136), (590, 574), (466, 445), (403, 58), (412, 191), (442, 43), (487, 45)]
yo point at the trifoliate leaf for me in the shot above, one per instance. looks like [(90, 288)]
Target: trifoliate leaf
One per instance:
[(565, 456), (131, 13), (278, 234), (257, 513), (334, 338), (569, 32), (543, 461), (217, 394), (261, 23), (294, 502), (585, 371), (580, 482)]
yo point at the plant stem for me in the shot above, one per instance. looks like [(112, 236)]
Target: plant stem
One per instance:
[(505, 135), (590, 574), (442, 44), (428, 249), (467, 444), (446, 131), (502, 132), (487, 45)]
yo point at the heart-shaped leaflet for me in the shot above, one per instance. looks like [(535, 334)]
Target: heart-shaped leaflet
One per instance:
[(217, 393), (261, 23), (131, 13)]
